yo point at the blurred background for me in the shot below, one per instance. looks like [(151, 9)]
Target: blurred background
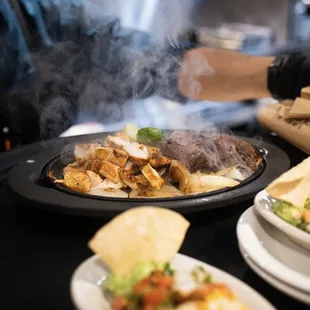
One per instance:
[(72, 67)]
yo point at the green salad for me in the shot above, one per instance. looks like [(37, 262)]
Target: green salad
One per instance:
[(296, 216)]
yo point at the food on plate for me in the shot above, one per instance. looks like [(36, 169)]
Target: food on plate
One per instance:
[(209, 153), (203, 182), (296, 216), (131, 131), (76, 179), (141, 163), (166, 191), (139, 246), (292, 193)]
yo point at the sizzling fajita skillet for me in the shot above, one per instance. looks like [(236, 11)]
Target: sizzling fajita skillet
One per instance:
[(31, 180)]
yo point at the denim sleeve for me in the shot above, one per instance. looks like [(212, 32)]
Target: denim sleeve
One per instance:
[(13, 48)]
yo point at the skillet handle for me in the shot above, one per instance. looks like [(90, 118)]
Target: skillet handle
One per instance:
[(263, 152)]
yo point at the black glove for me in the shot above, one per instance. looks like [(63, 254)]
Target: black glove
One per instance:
[(288, 74)]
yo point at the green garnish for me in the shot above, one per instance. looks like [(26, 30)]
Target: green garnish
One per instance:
[(149, 135), (307, 204), (288, 212), (200, 275), (167, 270)]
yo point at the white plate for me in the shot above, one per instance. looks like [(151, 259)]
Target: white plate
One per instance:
[(281, 286), (263, 203), (86, 293), (273, 252)]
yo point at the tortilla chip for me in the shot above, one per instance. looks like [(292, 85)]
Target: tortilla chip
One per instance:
[(300, 109), (293, 186), (139, 235)]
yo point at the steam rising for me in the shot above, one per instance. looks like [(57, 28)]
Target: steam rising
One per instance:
[(210, 150), (92, 78)]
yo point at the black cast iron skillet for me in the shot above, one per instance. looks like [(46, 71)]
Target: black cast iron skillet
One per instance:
[(29, 181)]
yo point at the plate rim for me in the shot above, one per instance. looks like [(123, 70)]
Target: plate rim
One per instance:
[(265, 264), (266, 277), (246, 286), (279, 223)]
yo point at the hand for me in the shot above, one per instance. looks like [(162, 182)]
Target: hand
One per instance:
[(221, 75)]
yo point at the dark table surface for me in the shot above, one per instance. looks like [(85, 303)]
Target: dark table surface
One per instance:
[(40, 250)]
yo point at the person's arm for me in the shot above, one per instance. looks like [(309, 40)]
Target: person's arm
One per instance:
[(220, 75)]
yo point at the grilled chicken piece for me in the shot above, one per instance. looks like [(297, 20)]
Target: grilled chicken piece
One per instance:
[(117, 157), (152, 176), (83, 151), (165, 192), (129, 179), (100, 153), (109, 192), (92, 165), (116, 142), (138, 154), (153, 151), (132, 180), (109, 171), (76, 179), (83, 164), (159, 162), (74, 165), (178, 173), (201, 183), (142, 181), (123, 136), (95, 179)]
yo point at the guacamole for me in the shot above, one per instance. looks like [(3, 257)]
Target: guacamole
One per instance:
[(293, 215), (287, 212), (123, 286)]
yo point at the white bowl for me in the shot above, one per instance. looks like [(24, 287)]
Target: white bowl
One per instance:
[(273, 252), (86, 293), (263, 203)]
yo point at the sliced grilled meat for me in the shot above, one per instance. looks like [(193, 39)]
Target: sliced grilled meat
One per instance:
[(209, 152)]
